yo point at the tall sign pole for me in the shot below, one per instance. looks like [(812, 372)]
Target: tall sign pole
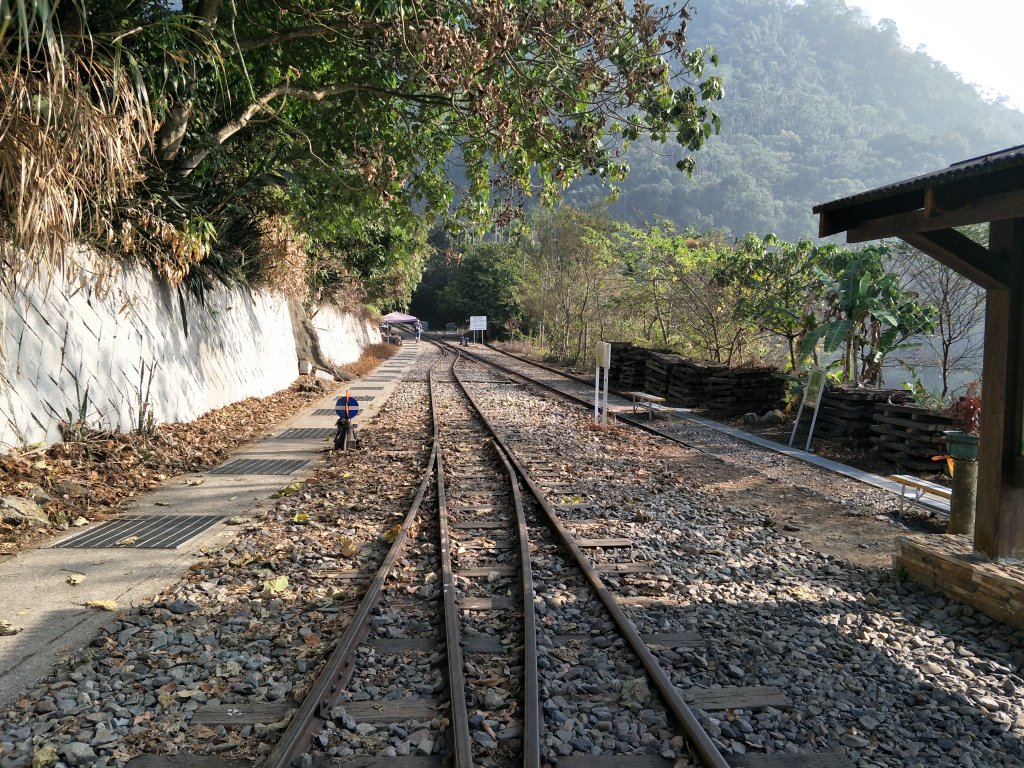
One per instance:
[(603, 358)]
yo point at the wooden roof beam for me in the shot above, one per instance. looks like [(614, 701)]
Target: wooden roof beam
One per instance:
[(1007, 205), (960, 253)]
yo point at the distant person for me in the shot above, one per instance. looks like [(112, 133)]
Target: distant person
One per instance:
[(419, 329)]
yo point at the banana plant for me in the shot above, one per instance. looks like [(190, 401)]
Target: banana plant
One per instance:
[(870, 317)]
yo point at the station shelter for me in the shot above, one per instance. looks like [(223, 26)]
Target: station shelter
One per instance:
[(925, 212)]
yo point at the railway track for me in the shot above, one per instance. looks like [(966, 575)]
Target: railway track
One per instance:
[(478, 653), (478, 550), (511, 621), (792, 658)]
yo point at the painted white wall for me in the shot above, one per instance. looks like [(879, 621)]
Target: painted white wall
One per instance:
[(343, 336), (61, 343)]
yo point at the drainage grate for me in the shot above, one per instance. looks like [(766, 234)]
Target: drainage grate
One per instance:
[(260, 467), (331, 412), (363, 386), (305, 433), (150, 532)]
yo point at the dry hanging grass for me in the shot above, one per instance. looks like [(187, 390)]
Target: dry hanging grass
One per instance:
[(73, 130), (284, 260)]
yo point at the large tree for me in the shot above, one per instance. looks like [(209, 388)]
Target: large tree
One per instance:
[(365, 110), (390, 90)]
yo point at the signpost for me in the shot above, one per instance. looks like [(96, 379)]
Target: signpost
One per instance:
[(603, 356), (347, 408), (812, 398), (478, 323)]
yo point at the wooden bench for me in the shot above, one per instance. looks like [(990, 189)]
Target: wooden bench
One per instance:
[(642, 399), (919, 488)]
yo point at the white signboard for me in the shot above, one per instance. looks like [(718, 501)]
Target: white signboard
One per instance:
[(604, 354), (478, 322)]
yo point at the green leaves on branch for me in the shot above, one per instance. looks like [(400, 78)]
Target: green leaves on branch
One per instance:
[(866, 313)]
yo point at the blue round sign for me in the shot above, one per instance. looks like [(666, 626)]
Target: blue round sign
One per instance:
[(347, 407)]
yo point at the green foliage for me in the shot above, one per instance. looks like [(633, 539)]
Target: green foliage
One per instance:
[(346, 119), (778, 286), (677, 284), (867, 313), (574, 292), (486, 281)]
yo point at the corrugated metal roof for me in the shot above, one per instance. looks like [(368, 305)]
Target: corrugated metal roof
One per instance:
[(965, 169)]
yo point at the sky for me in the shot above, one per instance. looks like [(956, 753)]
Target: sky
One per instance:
[(982, 40)]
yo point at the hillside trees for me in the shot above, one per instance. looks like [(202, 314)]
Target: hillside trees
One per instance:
[(351, 114), (820, 105)]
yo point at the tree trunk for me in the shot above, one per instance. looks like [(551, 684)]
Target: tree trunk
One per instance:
[(172, 132)]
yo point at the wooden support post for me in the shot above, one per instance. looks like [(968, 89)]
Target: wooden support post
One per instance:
[(999, 528), (963, 503)]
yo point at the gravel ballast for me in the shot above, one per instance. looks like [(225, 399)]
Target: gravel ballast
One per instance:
[(873, 667)]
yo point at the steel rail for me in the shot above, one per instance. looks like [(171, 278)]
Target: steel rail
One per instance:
[(699, 739), (633, 422), (315, 708), (462, 741), (531, 675)]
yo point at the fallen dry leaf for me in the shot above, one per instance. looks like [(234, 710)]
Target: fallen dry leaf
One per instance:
[(44, 756), (103, 605), (347, 547), (289, 489), (275, 586)]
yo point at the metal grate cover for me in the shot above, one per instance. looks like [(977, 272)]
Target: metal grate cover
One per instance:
[(331, 412), (364, 386), (305, 433), (149, 532), (260, 467)]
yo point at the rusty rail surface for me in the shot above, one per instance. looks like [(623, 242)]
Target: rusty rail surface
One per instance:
[(531, 683), (699, 739)]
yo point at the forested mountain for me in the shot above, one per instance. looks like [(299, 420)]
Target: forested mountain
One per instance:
[(819, 104)]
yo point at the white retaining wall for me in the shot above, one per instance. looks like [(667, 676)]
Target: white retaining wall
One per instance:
[(343, 336), (65, 343)]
